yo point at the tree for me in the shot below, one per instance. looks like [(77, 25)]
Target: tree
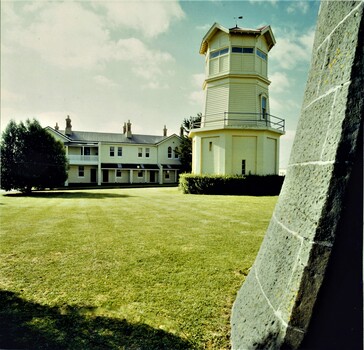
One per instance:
[(185, 148), (31, 158)]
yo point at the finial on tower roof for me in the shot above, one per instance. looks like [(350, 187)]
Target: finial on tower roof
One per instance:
[(236, 20)]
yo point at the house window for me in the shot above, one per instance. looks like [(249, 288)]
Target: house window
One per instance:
[(210, 146), (176, 153), (81, 171), (140, 152), (264, 107), (166, 174), (118, 173), (140, 173), (120, 151), (243, 167), (87, 151), (112, 151), (147, 152), (169, 152)]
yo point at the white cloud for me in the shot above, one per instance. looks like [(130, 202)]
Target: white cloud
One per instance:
[(65, 35), (301, 6), (272, 2), (196, 98), (147, 17), (9, 96), (68, 35), (292, 49), (204, 27), (280, 82), (198, 79), (104, 81)]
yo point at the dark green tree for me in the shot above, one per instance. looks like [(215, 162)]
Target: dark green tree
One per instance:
[(185, 148), (31, 158)]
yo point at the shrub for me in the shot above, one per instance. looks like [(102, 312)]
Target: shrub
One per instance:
[(253, 185)]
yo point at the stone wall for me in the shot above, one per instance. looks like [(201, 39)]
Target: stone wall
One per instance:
[(316, 227)]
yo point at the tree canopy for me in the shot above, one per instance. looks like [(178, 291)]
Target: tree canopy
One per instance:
[(185, 148), (31, 158)]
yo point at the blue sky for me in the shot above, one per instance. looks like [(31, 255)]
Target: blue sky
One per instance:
[(104, 63)]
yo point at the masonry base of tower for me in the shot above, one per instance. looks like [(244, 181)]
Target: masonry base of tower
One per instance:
[(235, 151)]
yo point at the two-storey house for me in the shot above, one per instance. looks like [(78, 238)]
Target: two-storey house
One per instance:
[(98, 158)]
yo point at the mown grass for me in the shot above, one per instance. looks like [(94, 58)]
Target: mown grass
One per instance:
[(124, 268)]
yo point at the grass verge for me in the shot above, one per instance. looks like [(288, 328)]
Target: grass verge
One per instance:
[(124, 268)]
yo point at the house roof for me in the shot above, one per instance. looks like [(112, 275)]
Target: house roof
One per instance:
[(93, 137), (265, 30)]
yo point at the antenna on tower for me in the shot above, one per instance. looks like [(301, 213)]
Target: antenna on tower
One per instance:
[(236, 20)]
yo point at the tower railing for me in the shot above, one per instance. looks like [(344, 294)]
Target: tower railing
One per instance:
[(240, 120)]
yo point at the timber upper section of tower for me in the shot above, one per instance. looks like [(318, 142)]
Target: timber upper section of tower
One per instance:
[(236, 83), (237, 51)]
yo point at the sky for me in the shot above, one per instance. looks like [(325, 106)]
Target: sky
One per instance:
[(106, 62)]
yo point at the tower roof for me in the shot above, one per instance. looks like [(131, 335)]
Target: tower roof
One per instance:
[(265, 30)]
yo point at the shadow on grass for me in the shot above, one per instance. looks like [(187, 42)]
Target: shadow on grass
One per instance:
[(27, 325), (68, 194)]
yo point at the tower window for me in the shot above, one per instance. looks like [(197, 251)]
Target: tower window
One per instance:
[(238, 49), (217, 53), (264, 107), (261, 54)]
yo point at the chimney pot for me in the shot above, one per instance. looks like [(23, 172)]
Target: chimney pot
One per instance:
[(68, 130), (128, 130)]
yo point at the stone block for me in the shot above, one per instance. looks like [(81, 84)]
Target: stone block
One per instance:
[(275, 274), (302, 199), (254, 323), (308, 145), (274, 307)]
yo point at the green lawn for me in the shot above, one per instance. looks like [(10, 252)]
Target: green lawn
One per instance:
[(146, 268)]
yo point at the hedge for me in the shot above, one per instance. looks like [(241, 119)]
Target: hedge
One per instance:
[(252, 185)]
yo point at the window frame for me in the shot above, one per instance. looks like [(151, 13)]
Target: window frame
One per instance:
[(169, 152), (262, 54), (140, 152), (81, 171), (120, 151), (112, 151)]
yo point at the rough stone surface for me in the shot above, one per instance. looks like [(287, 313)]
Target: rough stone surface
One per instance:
[(306, 240)]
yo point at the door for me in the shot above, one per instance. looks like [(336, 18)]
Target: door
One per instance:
[(152, 176), (105, 176), (93, 175)]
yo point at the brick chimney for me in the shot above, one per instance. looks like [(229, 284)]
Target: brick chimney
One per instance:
[(181, 131), (68, 130), (128, 130), (56, 127), (124, 128), (164, 131)]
